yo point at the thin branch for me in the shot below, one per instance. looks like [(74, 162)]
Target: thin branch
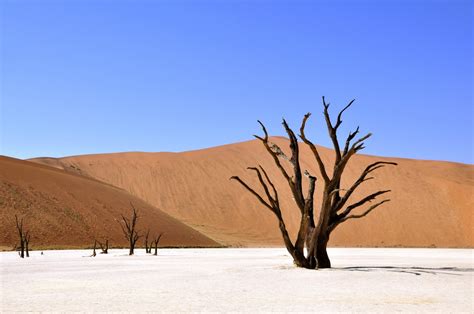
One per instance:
[(264, 185), (293, 146), (125, 233), (264, 129), (366, 199), (340, 166), (362, 178), (277, 201), (271, 152), (296, 185), (248, 188), (339, 116), (371, 208), (313, 148), (332, 132), (350, 137)]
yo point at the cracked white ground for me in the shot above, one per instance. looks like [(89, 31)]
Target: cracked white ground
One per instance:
[(249, 280)]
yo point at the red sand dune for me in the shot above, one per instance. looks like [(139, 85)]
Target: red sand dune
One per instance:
[(432, 201), (67, 210)]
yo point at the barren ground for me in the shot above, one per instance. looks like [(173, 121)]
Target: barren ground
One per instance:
[(247, 280)]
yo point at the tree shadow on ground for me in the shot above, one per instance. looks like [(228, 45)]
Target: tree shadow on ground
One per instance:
[(452, 271)]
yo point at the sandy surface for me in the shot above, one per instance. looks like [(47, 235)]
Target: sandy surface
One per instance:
[(250, 280), (65, 209), (431, 206)]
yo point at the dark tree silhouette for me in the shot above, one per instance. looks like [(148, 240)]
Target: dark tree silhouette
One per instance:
[(93, 250), (129, 229), (104, 247), (314, 232), (155, 243), (147, 248), (24, 238)]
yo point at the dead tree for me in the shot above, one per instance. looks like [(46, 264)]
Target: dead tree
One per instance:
[(93, 251), (26, 240), (104, 247), (147, 249), (129, 229), (315, 229), (21, 234), (155, 243)]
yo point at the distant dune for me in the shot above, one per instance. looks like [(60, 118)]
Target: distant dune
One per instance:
[(432, 202), (66, 210)]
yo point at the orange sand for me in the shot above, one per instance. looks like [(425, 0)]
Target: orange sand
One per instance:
[(67, 210), (432, 201)]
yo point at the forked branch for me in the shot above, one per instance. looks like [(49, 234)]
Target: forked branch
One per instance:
[(371, 208), (366, 199), (313, 148), (362, 178)]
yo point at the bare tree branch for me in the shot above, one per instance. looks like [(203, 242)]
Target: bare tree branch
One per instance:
[(350, 137), (296, 184), (155, 242), (277, 201), (339, 116), (371, 208), (313, 148), (362, 178), (332, 131), (264, 185), (248, 188), (271, 152), (366, 199)]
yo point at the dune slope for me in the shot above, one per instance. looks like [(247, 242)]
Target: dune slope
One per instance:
[(431, 201), (62, 209)]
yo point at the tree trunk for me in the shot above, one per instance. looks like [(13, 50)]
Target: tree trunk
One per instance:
[(22, 249), (104, 248), (300, 260), (27, 251), (322, 253), (132, 247)]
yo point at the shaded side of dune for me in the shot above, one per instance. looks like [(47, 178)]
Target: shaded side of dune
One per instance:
[(67, 210)]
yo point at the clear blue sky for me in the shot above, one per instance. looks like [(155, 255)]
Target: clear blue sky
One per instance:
[(83, 77)]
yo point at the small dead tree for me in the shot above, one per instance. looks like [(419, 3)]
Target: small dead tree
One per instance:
[(104, 247), (314, 232), (93, 251), (147, 248), (129, 229), (26, 240), (155, 243), (21, 235)]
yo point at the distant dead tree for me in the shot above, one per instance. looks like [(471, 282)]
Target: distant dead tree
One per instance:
[(129, 229), (27, 243), (155, 243), (147, 248), (24, 237), (314, 232), (93, 251), (104, 247)]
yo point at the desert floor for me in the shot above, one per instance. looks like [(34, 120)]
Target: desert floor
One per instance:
[(238, 280)]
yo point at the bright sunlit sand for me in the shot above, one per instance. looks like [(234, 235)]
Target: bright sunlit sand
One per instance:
[(249, 280)]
